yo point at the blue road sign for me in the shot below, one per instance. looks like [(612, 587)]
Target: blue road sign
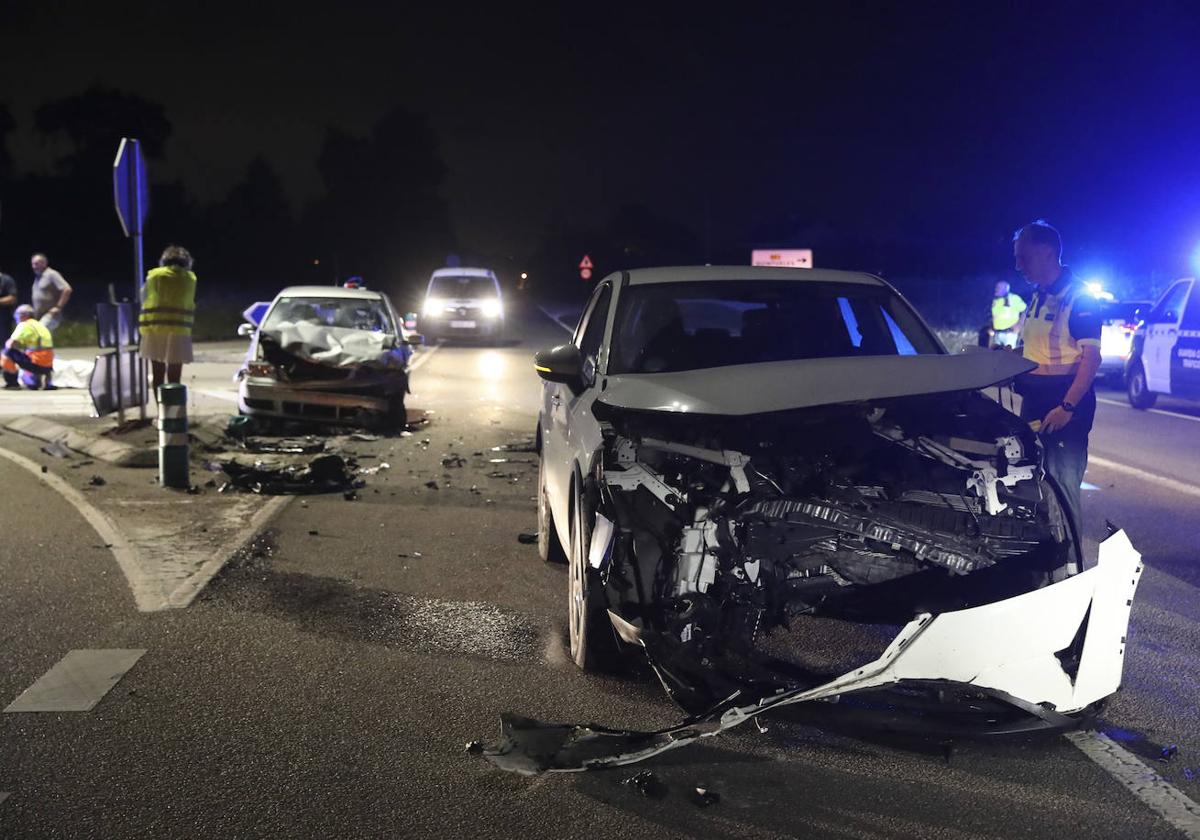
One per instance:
[(131, 186)]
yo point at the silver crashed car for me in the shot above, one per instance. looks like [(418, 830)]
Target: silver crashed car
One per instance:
[(326, 353), (723, 449)]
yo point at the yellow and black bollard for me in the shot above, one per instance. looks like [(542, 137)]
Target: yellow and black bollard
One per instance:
[(172, 436)]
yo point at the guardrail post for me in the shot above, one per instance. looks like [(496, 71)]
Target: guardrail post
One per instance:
[(172, 436)]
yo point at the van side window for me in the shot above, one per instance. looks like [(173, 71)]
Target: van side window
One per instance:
[(1169, 307), (1191, 314)]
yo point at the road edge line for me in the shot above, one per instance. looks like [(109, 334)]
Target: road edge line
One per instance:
[(1161, 411), (546, 312), (144, 596), (424, 357), (186, 592), (1169, 483), (1152, 789)]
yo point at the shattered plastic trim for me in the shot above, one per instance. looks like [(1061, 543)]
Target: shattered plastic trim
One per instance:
[(1008, 646)]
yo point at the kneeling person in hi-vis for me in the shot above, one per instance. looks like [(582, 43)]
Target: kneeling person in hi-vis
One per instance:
[(168, 311), (28, 356)]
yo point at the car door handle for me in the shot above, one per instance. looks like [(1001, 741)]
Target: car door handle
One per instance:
[(556, 400)]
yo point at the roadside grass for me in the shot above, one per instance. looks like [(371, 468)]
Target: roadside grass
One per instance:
[(217, 323)]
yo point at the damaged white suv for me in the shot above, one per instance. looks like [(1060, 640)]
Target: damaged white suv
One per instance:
[(723, 449)]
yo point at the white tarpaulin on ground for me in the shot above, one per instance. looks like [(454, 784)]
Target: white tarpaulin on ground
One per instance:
[(72, 373), (337, 346)]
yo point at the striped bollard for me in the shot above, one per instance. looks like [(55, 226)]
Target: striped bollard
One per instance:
[(172, 436)]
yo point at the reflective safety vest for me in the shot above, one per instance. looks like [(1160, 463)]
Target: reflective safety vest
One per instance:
[(32, 338), (1006, 311), (1061, 321), (168, 301)]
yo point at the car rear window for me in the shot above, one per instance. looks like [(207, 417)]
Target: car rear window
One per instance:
[(687, 326), (462, 287)]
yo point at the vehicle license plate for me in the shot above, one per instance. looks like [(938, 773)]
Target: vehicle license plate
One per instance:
[(462, 324)]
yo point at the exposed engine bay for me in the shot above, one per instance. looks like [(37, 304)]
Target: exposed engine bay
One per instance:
[(711, 533)]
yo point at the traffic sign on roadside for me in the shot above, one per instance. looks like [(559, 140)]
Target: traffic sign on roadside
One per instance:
[(585, 267), (131, 187)]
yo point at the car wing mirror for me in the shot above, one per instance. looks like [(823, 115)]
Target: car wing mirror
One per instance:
[(563, 363), (245, 330), (414, 339)]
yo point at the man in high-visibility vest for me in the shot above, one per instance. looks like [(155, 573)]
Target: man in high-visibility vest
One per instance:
[(1062, 335), (28, 356), (1008, 316), (168, 312)]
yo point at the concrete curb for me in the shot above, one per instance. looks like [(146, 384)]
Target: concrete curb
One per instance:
[(110, 451)]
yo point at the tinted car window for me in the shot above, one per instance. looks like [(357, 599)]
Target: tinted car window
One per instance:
[(462, 287), (688, 326), (1191, 313)]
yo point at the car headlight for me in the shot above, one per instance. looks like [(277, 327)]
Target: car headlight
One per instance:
[(491, 308), (434, 307)]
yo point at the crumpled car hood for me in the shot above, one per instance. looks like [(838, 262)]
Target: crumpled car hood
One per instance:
[(337, 346), (739, 390)]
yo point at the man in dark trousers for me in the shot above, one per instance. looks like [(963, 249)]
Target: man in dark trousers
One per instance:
[(1062, 335), (8, 299)]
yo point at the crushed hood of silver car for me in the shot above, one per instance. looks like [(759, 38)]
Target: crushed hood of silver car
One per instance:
[(336, 346)]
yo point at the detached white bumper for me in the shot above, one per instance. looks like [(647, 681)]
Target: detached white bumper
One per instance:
[(1010, 646)]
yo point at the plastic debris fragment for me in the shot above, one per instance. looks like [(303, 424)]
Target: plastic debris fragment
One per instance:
[(647, 784)]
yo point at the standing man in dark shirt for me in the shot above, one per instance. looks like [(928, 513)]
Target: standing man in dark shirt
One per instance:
[(8, 302), (1062, 335)]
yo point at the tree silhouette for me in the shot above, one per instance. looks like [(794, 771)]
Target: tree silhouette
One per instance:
[(7, 124), (94, 122)]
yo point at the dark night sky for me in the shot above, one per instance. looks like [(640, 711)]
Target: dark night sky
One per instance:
[(946, 123)]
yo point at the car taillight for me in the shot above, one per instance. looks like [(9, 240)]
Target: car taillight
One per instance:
[(261, 369), (1129, 326)]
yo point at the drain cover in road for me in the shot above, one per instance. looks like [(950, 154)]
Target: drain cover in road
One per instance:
[(77, 683)]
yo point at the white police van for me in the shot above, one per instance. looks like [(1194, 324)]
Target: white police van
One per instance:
[(1165, 358)]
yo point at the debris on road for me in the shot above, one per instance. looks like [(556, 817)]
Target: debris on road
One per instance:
[(308, 445), (521, 445), (324, 474), (432, 485), (647, 784), (94, 481), (474, 747), (453, 461), (702, 797), (1168, 752), (527, 539), (372, 470), (57, 449)]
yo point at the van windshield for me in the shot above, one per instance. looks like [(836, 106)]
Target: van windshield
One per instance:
[(462, 287)]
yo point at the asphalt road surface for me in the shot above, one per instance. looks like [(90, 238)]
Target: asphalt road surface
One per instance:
[(326, 683)]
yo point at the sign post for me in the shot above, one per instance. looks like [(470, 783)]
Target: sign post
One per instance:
[(131, 194)]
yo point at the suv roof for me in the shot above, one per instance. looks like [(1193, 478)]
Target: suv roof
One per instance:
[(686, 274)]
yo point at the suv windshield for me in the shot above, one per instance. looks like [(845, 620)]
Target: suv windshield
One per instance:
[(666, 327), (462, 287), (347, 313)]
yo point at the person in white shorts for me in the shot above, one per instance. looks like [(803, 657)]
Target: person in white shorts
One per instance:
[(168, 313)]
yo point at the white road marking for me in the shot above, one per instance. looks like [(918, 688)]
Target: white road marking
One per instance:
[(190, 588), (547, 313), (424, 357), (1143, 475), (77, 683), (147, 596), (1150, 410), (1155, 791), (1086, 486)]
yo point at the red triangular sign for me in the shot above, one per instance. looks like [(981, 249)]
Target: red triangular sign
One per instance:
[(586, 262)]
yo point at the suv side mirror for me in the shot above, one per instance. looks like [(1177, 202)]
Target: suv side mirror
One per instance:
[(245, 330), (563, 363)]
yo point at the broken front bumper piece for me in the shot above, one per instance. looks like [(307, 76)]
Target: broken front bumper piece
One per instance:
[(1051, 653)]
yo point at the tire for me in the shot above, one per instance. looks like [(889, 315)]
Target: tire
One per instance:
[(549, 545), (592, 638), (1140, 396)]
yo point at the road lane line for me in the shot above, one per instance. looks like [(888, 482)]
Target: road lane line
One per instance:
[(1155, 791), (77, 682), (546, 312), (425, 357), (1163, 481), (1150, 410), (146, 595), (187, 591)]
